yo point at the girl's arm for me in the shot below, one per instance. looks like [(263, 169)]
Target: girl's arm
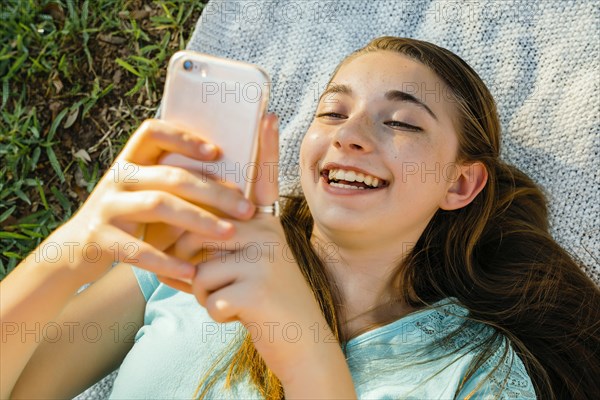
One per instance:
[(58, 356), (30, 298), (324, 375), (135, 198)]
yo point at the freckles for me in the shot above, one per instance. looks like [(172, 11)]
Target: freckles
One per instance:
[(404, 150), (414, 161)]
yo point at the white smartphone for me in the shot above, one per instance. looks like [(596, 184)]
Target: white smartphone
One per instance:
[(223, 101)]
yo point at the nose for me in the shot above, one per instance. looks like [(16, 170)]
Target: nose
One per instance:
[(354, 135)]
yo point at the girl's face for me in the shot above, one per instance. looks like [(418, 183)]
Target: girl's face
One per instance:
[(378, 159)]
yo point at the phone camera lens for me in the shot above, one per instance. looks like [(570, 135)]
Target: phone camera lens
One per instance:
[(188, 65)]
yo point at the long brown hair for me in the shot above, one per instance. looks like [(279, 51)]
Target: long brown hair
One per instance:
[(495, 256)]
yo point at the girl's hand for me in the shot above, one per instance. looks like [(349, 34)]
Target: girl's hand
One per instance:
[(252, 277), (138, 199)]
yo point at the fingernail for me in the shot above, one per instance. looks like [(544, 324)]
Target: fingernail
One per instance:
[(224, 226), (243, 207), (276, 123), (207, 149)]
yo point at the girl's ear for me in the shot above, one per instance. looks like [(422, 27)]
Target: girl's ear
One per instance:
[(469, 180)]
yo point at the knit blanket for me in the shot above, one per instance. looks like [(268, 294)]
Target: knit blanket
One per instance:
[(541, 61)]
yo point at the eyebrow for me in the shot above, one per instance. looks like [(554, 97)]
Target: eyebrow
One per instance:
[(335, 88), (397, 95), (392, 95)]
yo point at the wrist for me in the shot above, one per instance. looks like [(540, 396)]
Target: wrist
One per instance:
[(61, 254), (320, 373)]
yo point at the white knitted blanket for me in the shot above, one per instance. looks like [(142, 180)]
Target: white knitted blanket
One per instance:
[(541, 61)]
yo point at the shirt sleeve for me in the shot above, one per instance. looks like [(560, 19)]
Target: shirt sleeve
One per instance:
[(147, 281)]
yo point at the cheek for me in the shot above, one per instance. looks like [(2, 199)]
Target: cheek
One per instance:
[(310, 153), (419, 163), (406, 152), (305, 151), (312, 147)]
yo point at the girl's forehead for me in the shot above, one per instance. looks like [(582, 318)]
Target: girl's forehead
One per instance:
[(385, 70), (385, 66), (372, 75)]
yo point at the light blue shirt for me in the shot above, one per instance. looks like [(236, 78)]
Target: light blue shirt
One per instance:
[(179, 342)]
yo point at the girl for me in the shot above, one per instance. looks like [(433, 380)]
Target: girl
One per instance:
[(415, 265)]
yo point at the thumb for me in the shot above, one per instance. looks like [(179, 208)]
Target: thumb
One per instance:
[(266, 187)]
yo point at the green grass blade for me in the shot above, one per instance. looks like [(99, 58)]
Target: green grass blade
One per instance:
[(42, 195), (16, 65), (64, 203), (5, 92), (20, 194), (54, 163), (55, 124), (7, 213), (128, 67), (12, 235)]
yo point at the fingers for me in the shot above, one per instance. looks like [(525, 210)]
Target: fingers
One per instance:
[(213, 288), (128, 249), (225, 305), (192, 186), (266, 188), (155, 137), (218, 272), (162, 235), (195, 248), (259, 234), (201, 257), (158, 206), (177, 284)]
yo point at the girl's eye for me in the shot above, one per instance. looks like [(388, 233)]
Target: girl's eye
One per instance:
[(331, 115), (403, 125), (393, 124)]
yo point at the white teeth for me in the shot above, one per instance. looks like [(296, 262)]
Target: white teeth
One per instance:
[(341, 185), (352, 176)]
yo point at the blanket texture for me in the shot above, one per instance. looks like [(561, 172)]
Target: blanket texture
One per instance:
[(541, 61)]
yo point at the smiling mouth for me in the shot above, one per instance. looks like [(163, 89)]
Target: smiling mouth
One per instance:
[(347, 179)]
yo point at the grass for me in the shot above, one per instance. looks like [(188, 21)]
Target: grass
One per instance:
[(77, 78)]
